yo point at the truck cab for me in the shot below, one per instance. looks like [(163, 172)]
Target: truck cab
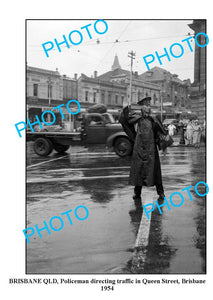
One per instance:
[(98, 127)]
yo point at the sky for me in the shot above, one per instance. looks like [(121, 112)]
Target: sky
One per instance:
[(143, 37)]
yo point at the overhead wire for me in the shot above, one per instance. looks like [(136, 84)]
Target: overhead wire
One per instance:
[(112, 45), (116, 41)]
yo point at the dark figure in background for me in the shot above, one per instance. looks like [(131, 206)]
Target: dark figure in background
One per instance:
[(145, 164)]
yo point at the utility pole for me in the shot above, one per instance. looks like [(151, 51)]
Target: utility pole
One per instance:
[(161, 106), (162, 92), (49, 82), (132, 56)]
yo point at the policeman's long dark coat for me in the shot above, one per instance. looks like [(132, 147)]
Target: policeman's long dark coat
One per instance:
[(145, 163)]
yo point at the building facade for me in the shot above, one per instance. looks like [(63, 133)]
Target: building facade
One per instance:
[(198, 88), (70, 88), (94, 90), (44, 89), (140, 88), (47, 89), (174, 91), (113, 89)]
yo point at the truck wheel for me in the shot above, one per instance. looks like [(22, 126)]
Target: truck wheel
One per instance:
[(123, 147), (61, 148), (43, 146)]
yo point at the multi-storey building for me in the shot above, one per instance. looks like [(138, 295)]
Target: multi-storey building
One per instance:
[(113, 88), (95, 90), (44, 90), (47, 89), (140, 88), (174, 92), (198, 88)]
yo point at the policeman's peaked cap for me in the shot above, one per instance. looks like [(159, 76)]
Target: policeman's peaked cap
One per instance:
[(141, 102)]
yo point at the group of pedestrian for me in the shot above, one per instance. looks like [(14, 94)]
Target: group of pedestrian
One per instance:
[(193, 133)]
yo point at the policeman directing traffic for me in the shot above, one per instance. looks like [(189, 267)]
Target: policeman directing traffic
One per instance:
[(145, 163)]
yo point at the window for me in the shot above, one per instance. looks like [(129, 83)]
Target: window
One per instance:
[(122, 100), (66, 117), (139, 95), (108, 118), (94, 97), (103, 97), (86, 96), (95, 121), (49, 91), (109, 98), (116, 99), (35, 89), (48, 118)]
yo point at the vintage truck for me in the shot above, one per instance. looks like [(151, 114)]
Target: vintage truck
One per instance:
[(96, 128)]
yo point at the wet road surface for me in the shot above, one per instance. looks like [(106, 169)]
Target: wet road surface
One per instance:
[(173, 242)]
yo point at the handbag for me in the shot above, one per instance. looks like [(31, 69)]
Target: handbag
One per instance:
[(164, 141)]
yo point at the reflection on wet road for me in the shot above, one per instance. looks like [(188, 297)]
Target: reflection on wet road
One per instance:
[(104, 243)]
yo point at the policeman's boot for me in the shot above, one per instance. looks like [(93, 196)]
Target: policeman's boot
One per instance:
[(160, 191), (161, 198), (137, 196)]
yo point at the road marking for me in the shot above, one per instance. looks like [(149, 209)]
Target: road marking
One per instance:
[(93, 156), (92, 153), (142, 239), (46, 161), (75, 154), (86, 169), (141, 243), (45, 180)]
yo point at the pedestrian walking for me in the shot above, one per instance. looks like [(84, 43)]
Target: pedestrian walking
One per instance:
[(189, 133), (145, 163), (203, 132), (196, 134), (171, 129)]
